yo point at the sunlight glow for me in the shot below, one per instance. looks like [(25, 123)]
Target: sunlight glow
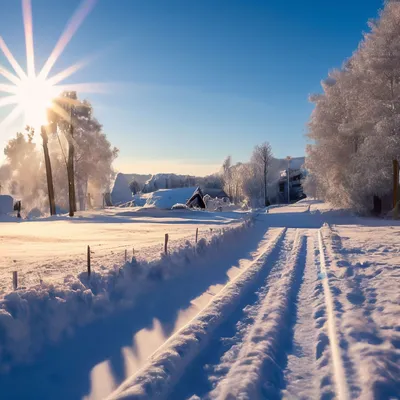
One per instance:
[(35, 97), (73, 25), (34, 94)]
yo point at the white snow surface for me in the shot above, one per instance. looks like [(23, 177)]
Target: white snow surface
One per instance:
[(32, 316), (304, 304), (164, 198)]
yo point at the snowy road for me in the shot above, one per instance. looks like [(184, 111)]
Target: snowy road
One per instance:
[(274, 342), (305, 307)]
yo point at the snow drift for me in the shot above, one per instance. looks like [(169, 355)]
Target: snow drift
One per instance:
[(29, 318)]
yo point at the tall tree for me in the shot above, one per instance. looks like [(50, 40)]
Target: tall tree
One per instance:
[(261, 159), (49, 174)]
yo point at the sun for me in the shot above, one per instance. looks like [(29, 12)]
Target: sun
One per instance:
[(35, 97), (34, 94)]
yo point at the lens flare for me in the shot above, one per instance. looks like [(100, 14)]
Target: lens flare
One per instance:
[(34, 94)]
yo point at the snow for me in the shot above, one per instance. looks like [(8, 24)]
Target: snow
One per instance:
[(164, 198), (6, 204), (164, 181), (31, 316), (48, 249), (302, 304), (121, 193)]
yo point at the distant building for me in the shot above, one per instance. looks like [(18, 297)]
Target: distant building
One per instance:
[(214, 193), (296, 177)]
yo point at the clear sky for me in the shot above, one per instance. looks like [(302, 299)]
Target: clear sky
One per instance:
[(194, 81)]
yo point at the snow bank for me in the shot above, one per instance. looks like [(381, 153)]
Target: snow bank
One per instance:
[(6, 204), (31, 317), (164, 198)]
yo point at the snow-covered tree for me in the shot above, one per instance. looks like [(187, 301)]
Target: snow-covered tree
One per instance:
[(261, 160), (355, 125), (93, 158)]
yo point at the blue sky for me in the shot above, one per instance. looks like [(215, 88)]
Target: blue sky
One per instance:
[(193, 81)]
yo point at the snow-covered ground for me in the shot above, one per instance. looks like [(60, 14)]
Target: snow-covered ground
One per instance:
[(304, 304), (49, 249)]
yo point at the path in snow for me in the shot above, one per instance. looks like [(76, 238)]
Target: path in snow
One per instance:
[(297, 310), (301, 375)]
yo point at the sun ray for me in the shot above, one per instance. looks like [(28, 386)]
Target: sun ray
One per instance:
[(13, 62), (28, 26), (54, 80), (4, 87), (93, 87), (72, 26), (60, 111), (5, 101), (10, 76), (11, 117), (34, 95)]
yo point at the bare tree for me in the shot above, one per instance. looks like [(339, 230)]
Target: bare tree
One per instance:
[(261, 158)]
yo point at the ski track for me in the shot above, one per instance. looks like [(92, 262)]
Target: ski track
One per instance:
[(301, 361), (255, 371), (168, 363), (283, 336), (248, 363), (339, 373)]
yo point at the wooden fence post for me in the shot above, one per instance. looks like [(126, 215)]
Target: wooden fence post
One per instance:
[(15, 280), (88, 261), (197, 235), (166, 244)]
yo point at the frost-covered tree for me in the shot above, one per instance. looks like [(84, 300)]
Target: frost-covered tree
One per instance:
[(93, 158), (355, 125), (226, 173), (261, 160), (248, 182)]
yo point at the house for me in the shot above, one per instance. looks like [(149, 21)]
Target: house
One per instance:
[(196, 200), (296, 193), (214, 193)]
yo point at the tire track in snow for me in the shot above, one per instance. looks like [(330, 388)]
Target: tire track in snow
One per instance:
[(255, 371), (157, 378), (301, 373), (230, 339), (338, 369)]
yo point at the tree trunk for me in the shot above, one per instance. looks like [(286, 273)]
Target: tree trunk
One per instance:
[(81, 196), (395, 182), (71, 172), (265, 187), (49, 175)]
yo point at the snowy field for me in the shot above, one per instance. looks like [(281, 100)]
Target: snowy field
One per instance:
[(302, 303), (50, 249)]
